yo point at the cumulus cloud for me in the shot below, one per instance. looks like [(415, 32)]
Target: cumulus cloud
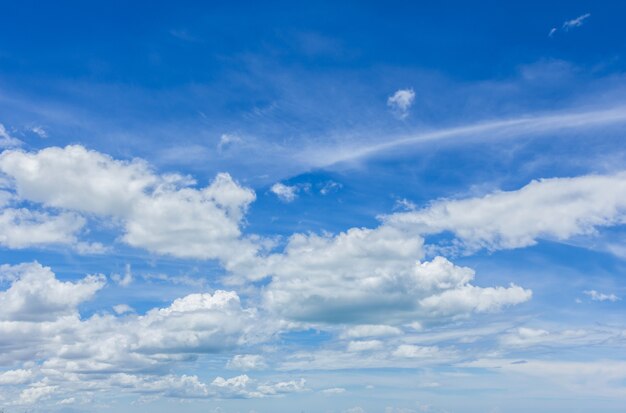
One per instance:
[(597, 296), (401, 101), (192, 387), (36, 392), (12, 377), (557, 208), (374, 275), (40, 317), (37, 295), (160, 213), (284, 192), (22, 228)]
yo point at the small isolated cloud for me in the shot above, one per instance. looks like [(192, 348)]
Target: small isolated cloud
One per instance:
[(577, 22), (246, 362), (330, 187), (227, 140), (404, 205), (39, 131), (334, 390), (284, 192), (597, 296), (401, 101), (124, 280), (6, 140), (570, 24), (123, 309)]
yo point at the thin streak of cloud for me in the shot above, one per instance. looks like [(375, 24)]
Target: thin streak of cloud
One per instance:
[(497, 129), (577, 22)]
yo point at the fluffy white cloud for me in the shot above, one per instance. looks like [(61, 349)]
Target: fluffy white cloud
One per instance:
[(22, 228), (40, 318), (37, 295), (373, 275), (401, 101), (160, 213), (36, 392), (557, 208), (284, 192)]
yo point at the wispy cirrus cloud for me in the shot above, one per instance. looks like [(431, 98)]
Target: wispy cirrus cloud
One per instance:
[(570, 24)]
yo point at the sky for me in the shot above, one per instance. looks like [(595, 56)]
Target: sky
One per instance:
[(355, 207)]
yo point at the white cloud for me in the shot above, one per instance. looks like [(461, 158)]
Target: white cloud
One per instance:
[(364, 345), (227, 140), (186, 386), (557, 208), (36, 294), (594, 377), (401, 101), (577, 22), (412, 351), (570, 24), (330, 187), (468, 298), (523, 126), (126, 279), (160, 213), (246, 362), (373, 275), (6, 140), (284, 192), (40, 319), (35, 393), (39, 131), (597, 296), (371, 330), (334, 390), (13, 377), (22, 228), (123, 309)]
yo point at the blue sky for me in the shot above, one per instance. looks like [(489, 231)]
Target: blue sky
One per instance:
[(352, 208)]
